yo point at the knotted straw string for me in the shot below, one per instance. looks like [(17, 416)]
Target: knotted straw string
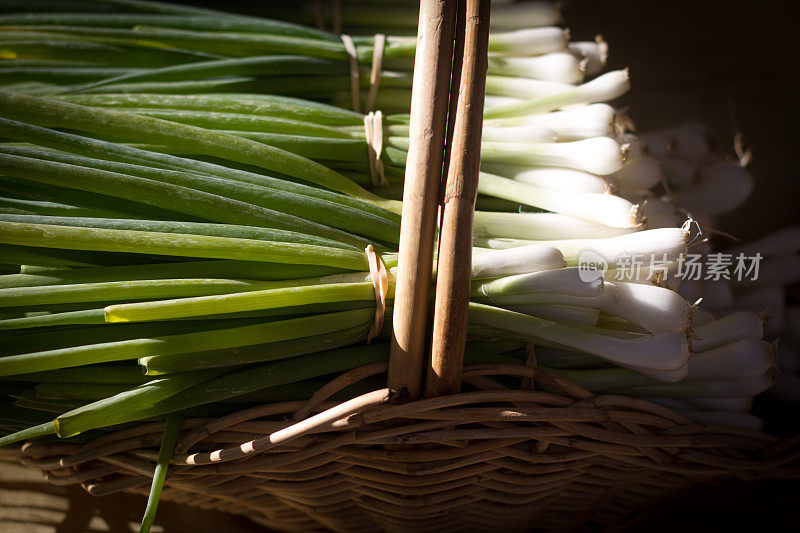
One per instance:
[(373, 122), (373, 128), (355, 93), (380, 282), (374, 73), (375, 70)]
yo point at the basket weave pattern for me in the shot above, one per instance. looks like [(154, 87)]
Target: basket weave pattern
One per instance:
[(549, 456)]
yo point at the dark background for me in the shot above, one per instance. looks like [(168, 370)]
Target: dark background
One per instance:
[(731, 65)]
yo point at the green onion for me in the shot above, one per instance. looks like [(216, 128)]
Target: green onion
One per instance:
[(108, 122), (171, 433), (182, 343), (221, 269), (190, 201), (244, 355), (241, 301), (667, 350), (99, 239)]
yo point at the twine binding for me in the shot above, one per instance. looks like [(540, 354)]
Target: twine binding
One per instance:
[(352, 57), (374, 72), (373, 130), (380, 282)]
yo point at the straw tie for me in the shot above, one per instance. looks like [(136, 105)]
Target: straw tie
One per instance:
[(373, 129), (380, 282)]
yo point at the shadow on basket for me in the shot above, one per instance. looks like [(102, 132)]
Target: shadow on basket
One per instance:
[(550, 453)]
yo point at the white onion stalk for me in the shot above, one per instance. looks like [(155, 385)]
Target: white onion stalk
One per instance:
[(720, 188), (510, 15), (527, 133), (594, 120), (540, 226), (779, 270), (564, 313), (666, 350), (530, 41), (570, 281), (492, 101), (582, 122), (562, 179), (741, 359), (593, 54), (594, 207), (523, 89), (561, 67), (656, 309), (601, 301), (491, 264), (598, 155), (685, 141), (669, 242), (662, 275), (605, 87), (637, 174), (781, 242), (532, 133), (575, 123), (731, 328)]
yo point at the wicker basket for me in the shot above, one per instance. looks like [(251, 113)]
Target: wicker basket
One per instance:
[(548, 455), (488, 460)]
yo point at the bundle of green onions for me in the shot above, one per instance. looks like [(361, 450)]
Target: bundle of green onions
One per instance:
[(178, 229), (362, 17)]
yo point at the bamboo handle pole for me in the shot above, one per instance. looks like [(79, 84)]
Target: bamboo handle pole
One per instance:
[(458, 202), (429, 97)]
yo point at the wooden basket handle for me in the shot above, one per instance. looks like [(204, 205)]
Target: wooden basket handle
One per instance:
[(429, 96), (467, 91)]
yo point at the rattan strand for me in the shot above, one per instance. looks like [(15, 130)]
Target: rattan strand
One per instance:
[(552, 458)]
